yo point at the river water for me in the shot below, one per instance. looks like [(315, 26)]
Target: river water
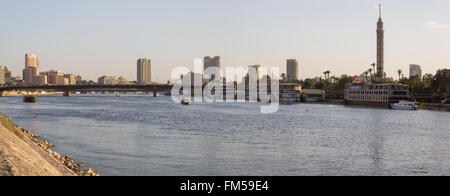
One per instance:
[(142, 135)]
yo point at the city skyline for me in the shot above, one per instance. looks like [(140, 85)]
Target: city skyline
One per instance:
[(416, 33)]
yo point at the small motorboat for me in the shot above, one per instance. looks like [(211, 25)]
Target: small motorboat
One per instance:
[(29, 98), (407, 105), (185, 102)]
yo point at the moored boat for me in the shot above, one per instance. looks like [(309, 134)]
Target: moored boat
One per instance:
[(30, 98), (407, 105), (185, 102)]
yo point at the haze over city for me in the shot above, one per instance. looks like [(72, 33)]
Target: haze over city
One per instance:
[(95, 38)]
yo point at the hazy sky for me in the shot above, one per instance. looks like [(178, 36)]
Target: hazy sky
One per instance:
[(106, 37)]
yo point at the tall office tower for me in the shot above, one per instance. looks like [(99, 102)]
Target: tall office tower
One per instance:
[(31, 60), (292, 69), (8, 75), (31, 70), (144, 71), (212, 62), (380, 47), (29, 75), (415, 70), (209, 61)]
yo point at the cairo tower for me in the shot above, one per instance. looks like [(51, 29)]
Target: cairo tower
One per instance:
[(380, 48)]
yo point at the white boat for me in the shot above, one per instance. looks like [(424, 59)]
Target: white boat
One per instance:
[(185, 102), (407, 105)]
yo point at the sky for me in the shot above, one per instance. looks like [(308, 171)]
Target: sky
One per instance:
[(93, 38)]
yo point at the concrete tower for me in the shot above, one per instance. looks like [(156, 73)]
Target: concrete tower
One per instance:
[(380, 47)]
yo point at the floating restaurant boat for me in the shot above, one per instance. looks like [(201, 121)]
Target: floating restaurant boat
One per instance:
[(407, 105), (378, 95), (29, 99)]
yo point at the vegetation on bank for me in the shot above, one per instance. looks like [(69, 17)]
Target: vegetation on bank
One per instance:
[(6, 122), (437, 85), (430, 84)]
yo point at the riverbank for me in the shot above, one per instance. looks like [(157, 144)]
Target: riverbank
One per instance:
[(22, 93), (22, 153), (427, 106), (436, 106)]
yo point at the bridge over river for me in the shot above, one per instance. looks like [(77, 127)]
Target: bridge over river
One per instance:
[(68, 89)]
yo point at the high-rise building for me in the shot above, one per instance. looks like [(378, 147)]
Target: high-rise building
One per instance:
[(31, 60), (31, 70), (257, 68), (144, 71), (8, 76), (380, 47), (415, 70), (55, 77), (2, 75), (209, 61), (29, 75), (292, 69)]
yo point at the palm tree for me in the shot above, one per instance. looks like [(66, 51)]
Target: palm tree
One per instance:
[(366, 73), (325, 73), (373, 68), (328, 72), (370, 71), (335, 79), (399, 74)]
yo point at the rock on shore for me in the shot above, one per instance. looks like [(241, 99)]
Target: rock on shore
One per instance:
[(23, 153)]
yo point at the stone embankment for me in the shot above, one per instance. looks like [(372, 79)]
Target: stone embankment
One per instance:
[(23, 153)]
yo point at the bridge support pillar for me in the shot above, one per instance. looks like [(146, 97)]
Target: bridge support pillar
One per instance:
[(67, 93), (154, 92)]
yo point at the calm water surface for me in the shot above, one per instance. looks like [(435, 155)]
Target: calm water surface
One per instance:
[(142, 135)]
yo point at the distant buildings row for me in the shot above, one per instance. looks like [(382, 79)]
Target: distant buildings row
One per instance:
[(32, 76)]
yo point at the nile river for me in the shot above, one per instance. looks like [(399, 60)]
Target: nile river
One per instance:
[(142, 135)]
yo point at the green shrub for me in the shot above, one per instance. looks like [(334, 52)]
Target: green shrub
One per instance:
[(11, 126)]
